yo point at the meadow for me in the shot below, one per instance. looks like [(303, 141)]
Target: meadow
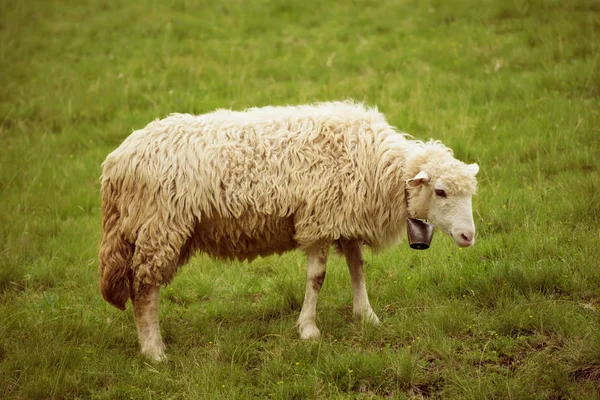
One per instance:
[(512, 85)]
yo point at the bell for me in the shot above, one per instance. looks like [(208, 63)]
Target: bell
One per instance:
[(420, 233)]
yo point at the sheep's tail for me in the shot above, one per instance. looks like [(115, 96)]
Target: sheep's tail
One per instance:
[(116, 253)]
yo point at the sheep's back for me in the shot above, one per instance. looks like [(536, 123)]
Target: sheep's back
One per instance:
[(314, 166)]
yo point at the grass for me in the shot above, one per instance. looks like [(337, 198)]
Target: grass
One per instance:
[(513, 85)]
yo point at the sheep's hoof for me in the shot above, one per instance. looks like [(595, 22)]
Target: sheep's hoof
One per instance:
[(155, 353), (368, 317), (371, 318), (309, 332)]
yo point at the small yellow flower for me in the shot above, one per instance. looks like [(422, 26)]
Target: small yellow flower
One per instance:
[(297, 363)]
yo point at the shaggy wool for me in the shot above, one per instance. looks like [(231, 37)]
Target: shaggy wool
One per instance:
[(242, 184)]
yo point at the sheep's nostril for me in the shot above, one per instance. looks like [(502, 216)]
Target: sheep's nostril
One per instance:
[(466, 238)]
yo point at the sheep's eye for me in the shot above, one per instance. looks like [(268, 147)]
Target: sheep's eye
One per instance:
[(440, 192)]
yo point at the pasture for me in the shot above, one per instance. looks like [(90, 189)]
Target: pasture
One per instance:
[(512, 85)]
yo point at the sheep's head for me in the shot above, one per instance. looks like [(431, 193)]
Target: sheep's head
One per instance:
[(441, 192)]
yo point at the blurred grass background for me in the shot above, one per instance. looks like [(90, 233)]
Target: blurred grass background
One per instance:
[(512, 85)]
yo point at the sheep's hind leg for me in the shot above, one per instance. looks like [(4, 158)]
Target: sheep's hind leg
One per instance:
[(316, 264), (354, 258), (145, 308)]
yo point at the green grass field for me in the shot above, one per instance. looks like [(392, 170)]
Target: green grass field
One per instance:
[(512, 85)]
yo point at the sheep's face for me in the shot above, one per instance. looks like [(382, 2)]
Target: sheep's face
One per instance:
[(443, 196)]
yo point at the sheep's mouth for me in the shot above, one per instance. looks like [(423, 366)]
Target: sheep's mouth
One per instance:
[(462, 241)]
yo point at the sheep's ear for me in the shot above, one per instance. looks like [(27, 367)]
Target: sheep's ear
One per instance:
[(472, 169), (419, 179)]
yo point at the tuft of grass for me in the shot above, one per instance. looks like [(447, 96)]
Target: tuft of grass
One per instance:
[(511, 85)]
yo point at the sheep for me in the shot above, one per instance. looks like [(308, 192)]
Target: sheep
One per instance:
[(243, 184)]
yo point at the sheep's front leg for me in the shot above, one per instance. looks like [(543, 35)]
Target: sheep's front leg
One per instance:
[(317, 262), (354, 259), (145, 308)]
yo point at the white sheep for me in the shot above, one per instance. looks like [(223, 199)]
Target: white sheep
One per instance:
[(268, 180)]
